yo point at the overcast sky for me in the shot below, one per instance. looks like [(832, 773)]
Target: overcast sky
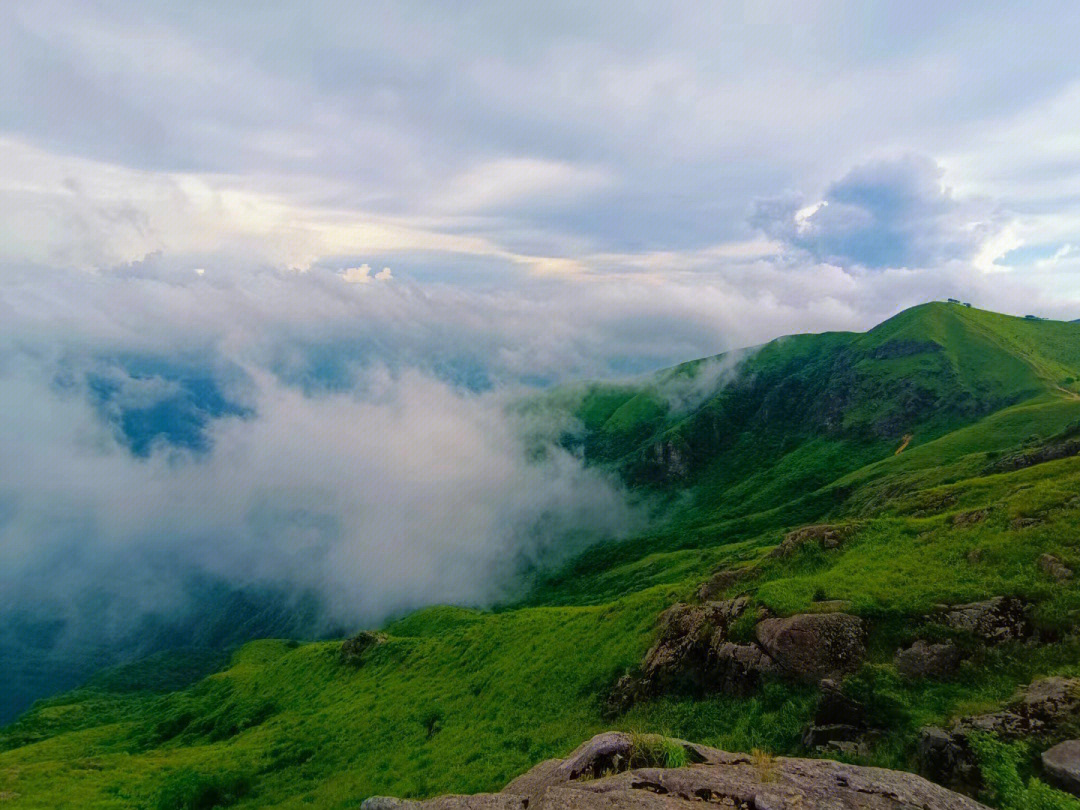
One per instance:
[(494, 144), (269, 272)]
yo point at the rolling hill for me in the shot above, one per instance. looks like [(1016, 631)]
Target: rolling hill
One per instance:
[(936, 459)]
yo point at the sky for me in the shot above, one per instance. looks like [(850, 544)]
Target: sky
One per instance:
[(273, 274)]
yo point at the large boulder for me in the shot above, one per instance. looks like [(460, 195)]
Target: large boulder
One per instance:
[(693, 654), (810, 646), (599, 776), (680, 658), (1061, 764), (925, 660), (996, 620)]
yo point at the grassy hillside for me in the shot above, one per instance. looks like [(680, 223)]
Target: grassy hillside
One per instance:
[(742, 448)]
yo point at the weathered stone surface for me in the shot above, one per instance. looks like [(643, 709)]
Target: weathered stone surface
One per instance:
[(1061, 764), (693, 654), (1053, 701), (946, 758), (826, 535), (1054, 567), (354, 649), (925, 660), (730, 780), (681, 657), (478, 801), (813, 645), (1047, 708), (996, 620)]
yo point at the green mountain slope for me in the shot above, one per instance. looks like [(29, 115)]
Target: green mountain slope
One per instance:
[(738, 450)]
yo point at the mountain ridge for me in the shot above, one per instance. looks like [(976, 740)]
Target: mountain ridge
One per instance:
[(801, 433)]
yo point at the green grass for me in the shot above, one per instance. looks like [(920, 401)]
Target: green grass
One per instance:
[(462, 700)]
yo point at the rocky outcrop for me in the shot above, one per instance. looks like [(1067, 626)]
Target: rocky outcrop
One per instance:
[(693, 655), (925, 660), (1047, 709), (600, 775), (1061, 765), (826, 535), (810, 646), (997, 620), (1040, 455), (1055, 568), (1046, 706), (353, 650), (684, 657)]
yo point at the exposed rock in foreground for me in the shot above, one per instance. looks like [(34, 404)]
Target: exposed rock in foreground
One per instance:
[(603, 773), (1061, 764), (1046, 709)]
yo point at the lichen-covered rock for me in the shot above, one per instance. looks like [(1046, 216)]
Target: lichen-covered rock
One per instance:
[(681, 657), (591, 779), (925, 660), (735, 669), (828, 536), (1047, 709), (354, 649), (1054, 701), (1047, 706), (996, 620), (811, 646), (1061, 765), (1055, 568)]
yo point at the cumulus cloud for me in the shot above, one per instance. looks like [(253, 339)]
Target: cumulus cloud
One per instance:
[(888, 213)]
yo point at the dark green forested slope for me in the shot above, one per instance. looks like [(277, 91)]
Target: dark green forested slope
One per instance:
[(731, 453)]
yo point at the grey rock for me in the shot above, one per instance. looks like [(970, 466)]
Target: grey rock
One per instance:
[(716, 777), (736, 668), (1054, 701), (1046, 706), (994, 620), (1061, 764), (925, 660), (812, 645), (692, 654), (947, 758), (828, 536)]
